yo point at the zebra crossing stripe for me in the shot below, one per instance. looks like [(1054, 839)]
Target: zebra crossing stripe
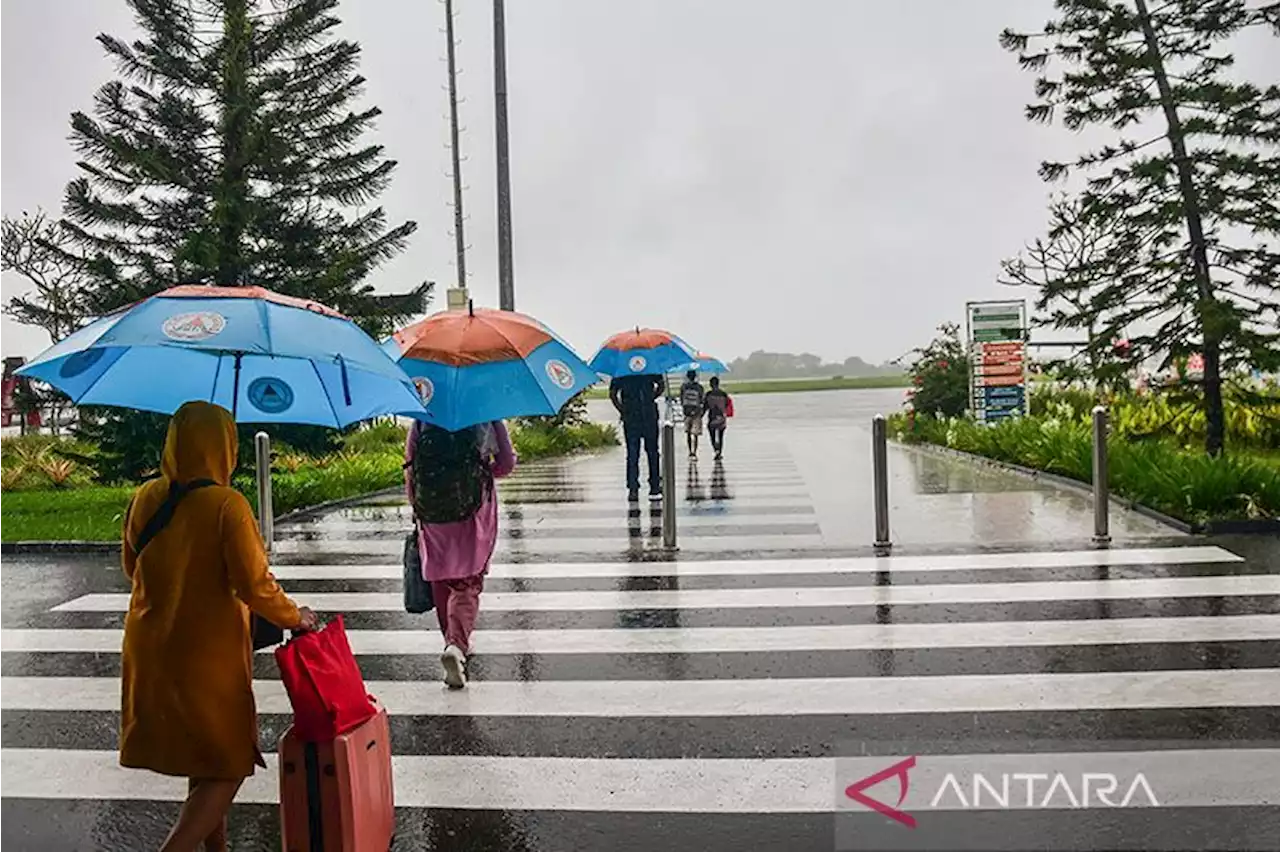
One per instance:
[(1178, 778), (386, 512), (723, 698), (338, 527), (782, 597), (620, 541), (857, 565), (716, 640)]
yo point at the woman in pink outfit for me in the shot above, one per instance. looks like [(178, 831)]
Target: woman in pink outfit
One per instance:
[(455, 556)]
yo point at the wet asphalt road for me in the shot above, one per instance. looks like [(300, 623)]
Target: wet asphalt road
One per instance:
[(621, 701)]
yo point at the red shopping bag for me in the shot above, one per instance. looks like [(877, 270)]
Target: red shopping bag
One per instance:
[(728, 407), (324, 683)]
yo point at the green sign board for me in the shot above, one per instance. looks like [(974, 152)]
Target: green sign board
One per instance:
[(997, 359)]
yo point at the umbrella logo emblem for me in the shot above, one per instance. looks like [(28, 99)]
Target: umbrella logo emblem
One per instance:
[(426, 390), (637, 363), (192, 327), (270, 395), (80, 362), (560, 374)]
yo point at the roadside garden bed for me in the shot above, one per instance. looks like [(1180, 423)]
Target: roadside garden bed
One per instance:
[(49, 493), (1156, 458)]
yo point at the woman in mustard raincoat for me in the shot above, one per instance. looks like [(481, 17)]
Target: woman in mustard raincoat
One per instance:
[(187, 705)]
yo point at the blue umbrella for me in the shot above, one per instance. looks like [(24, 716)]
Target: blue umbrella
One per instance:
[(479, 365), (643, 352), (266, 357), (706, 364)]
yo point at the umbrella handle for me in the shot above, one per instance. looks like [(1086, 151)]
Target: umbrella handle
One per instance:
[(235, 386), (346, 384)]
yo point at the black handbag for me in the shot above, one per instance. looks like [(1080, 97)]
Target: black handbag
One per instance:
[(417, 591), (264, 633)]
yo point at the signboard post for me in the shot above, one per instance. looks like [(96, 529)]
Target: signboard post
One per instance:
[(996, 334)]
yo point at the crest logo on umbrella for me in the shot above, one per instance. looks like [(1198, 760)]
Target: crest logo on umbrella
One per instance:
[(80, 362), (192, 327), (560, 374), (270, 395), (637, 363), (426, 390)]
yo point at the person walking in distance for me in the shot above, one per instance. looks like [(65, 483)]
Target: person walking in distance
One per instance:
[(449, 478), (719, 407), (692, 399), (636, 399)]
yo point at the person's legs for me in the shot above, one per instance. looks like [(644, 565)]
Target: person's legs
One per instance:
[(651, 449), (632, 434), (440, 598), (464, 608), (202, 820)]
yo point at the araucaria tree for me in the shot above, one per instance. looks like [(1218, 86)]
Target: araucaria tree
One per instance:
[(1068, 270), (232, 152), (34, 247), (1188, 191)]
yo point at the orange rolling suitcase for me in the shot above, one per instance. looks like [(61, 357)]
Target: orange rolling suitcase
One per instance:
[(337, 796)]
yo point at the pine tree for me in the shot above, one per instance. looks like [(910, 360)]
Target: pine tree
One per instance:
[(34, 247), (1068, 270), (1187, 191), (230, 152)]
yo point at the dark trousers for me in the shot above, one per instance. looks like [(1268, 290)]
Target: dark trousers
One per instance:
[(646, 432), (716, 433)]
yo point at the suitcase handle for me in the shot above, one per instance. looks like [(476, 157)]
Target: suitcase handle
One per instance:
[(315, 810)]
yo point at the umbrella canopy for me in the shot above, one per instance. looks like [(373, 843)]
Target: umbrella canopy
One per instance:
[(266, 357), (643, 352), (706, 364), (479, 365)]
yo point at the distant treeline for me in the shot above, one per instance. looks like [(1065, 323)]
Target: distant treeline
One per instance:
[(784, 365)]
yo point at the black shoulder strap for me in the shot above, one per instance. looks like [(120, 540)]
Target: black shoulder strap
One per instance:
[(164, 514)]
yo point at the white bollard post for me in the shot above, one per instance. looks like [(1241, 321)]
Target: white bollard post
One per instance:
[(880, 475), (1101, 490), (262, 459), (669, 485)]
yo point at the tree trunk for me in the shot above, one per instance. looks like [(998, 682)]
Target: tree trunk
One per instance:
[(1208, 308), (231, 195)]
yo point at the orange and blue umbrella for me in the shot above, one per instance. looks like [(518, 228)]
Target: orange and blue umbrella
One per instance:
[(643, 352), (266, 357), (480, 365)]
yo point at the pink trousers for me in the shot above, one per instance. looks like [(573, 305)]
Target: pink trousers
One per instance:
[(457, 606)]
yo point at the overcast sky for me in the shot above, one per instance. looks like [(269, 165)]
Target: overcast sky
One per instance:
[(832, 176)]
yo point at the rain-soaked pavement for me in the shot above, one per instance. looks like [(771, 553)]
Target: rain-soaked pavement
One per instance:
[(1028, 690)]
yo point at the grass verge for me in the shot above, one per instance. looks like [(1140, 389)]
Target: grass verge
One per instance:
[(1184, 483), (735, 386), (91, 513), (370, 460)]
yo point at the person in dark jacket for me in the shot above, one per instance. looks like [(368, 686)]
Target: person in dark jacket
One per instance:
[(718, 406), (636, 399)]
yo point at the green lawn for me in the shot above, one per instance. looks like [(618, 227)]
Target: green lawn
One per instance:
[(1243, 484), (371, 461), (91, 513), (735, 386), (800, 385)]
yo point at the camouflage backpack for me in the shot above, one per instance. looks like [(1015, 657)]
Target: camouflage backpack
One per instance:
[(449, 475)]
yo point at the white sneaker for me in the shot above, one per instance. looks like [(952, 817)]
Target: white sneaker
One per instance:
[(455, 667)]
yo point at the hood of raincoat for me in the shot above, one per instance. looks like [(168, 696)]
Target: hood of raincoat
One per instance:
[(201, 444)]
